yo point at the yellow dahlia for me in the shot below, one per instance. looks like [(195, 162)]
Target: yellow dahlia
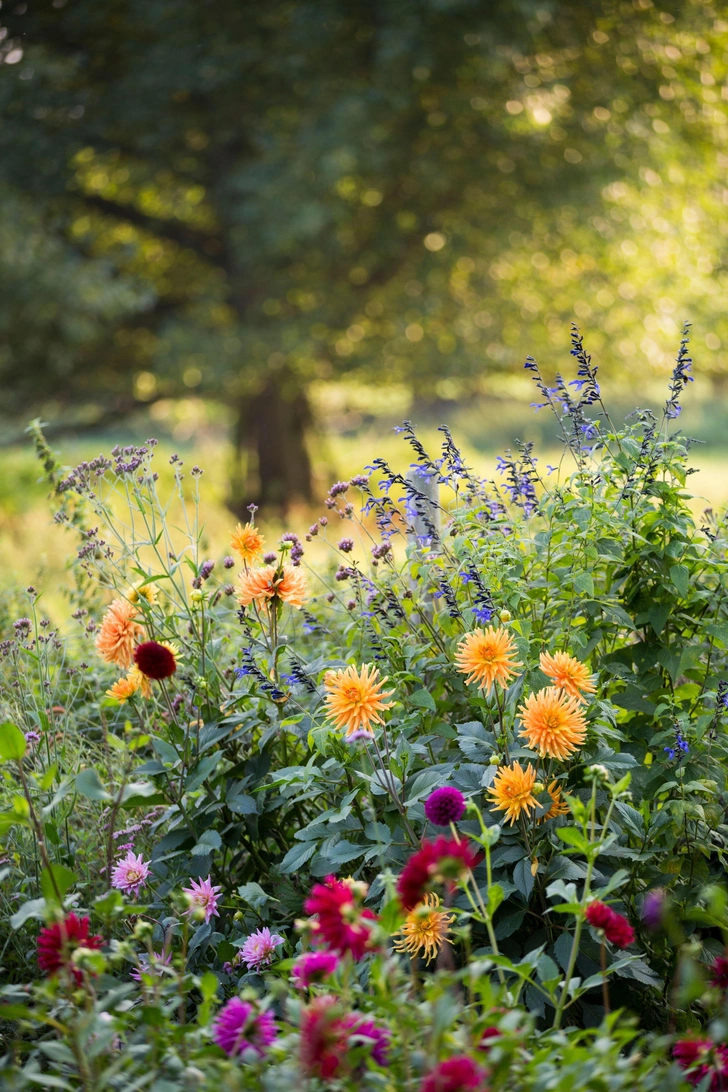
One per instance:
[(486, 657), (140, 590), (118, 633), (261, 585), (567, 673), (248, 542), (127, 687), (355, 699), (553, 723), (558, 804), (512, 791), (425, 929)]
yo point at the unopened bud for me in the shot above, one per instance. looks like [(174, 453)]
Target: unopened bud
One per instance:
[(495, 760), (538, 788), (505, 616), (143, 930)]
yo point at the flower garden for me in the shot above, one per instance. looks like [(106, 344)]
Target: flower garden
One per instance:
[(429, 799)]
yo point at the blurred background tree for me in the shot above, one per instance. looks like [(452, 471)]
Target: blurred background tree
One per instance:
[(242, 200)]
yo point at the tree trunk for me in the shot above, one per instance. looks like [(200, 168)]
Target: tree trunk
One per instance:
[(271, 438)]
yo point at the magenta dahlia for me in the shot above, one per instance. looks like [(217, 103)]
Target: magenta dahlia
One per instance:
[(238, 1028), (445, 806)]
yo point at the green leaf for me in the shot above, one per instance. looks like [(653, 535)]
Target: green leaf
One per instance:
[(202, 771), (88, 783), (208, 985), (573, 837), (680, 576), (254, 895), (584, 583), (35, 908), (423, 700), (63, 878), (522, 877), (10, 819), (209, 840), (297, 857), (12, 743)]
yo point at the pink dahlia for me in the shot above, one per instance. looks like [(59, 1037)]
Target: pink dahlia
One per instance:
[(260, 947), (459, 1074), (445, 806), (313, 967), (329, 1038), (130, 873), (151, 965), (58, 942), (701, 1058), (238, 1028), (342, 923), (202, 896)]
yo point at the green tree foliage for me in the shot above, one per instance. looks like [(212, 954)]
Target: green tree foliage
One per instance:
[(241, 199)]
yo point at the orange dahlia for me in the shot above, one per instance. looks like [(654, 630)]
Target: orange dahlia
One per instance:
[(248, 542), (553, 723), (558, 804), (261, 585), (126, 687), (355, 699), (425, 929), (567, 673), (118, 634), (486, 657), (512, 791)]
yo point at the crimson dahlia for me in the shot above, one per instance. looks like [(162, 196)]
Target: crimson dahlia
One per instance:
[(615, 926), (442, 861), (58, 942), (342, 924), (455, 1075)]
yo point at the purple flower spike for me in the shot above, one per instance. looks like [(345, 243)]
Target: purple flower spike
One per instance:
[(445, 806)]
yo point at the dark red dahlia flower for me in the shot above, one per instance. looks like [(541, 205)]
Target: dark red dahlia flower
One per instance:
[(444, 860), (701, 1058), (445, 806), (154, 660), (719, 975), (455, 1075), (342, 923), (58, 942), (616, 928)]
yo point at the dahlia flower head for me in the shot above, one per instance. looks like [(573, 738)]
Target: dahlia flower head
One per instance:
[(239, 1030), (155, 660), (444, 806), (703, 1058), (152, 965), (616, 928), (202, 897), (260, 947), (313, 967), (58, 942), (130, 873), (460, 1074), (335, 1044), (443, 861), (342, 923)]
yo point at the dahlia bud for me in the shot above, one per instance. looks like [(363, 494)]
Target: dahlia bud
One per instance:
[(495, 760), (597, 772), (505, 616), (538, 788), (143, 930), (197, 598), (238, 915)]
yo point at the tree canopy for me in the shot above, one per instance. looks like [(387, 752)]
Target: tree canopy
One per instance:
[(238, 199)]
